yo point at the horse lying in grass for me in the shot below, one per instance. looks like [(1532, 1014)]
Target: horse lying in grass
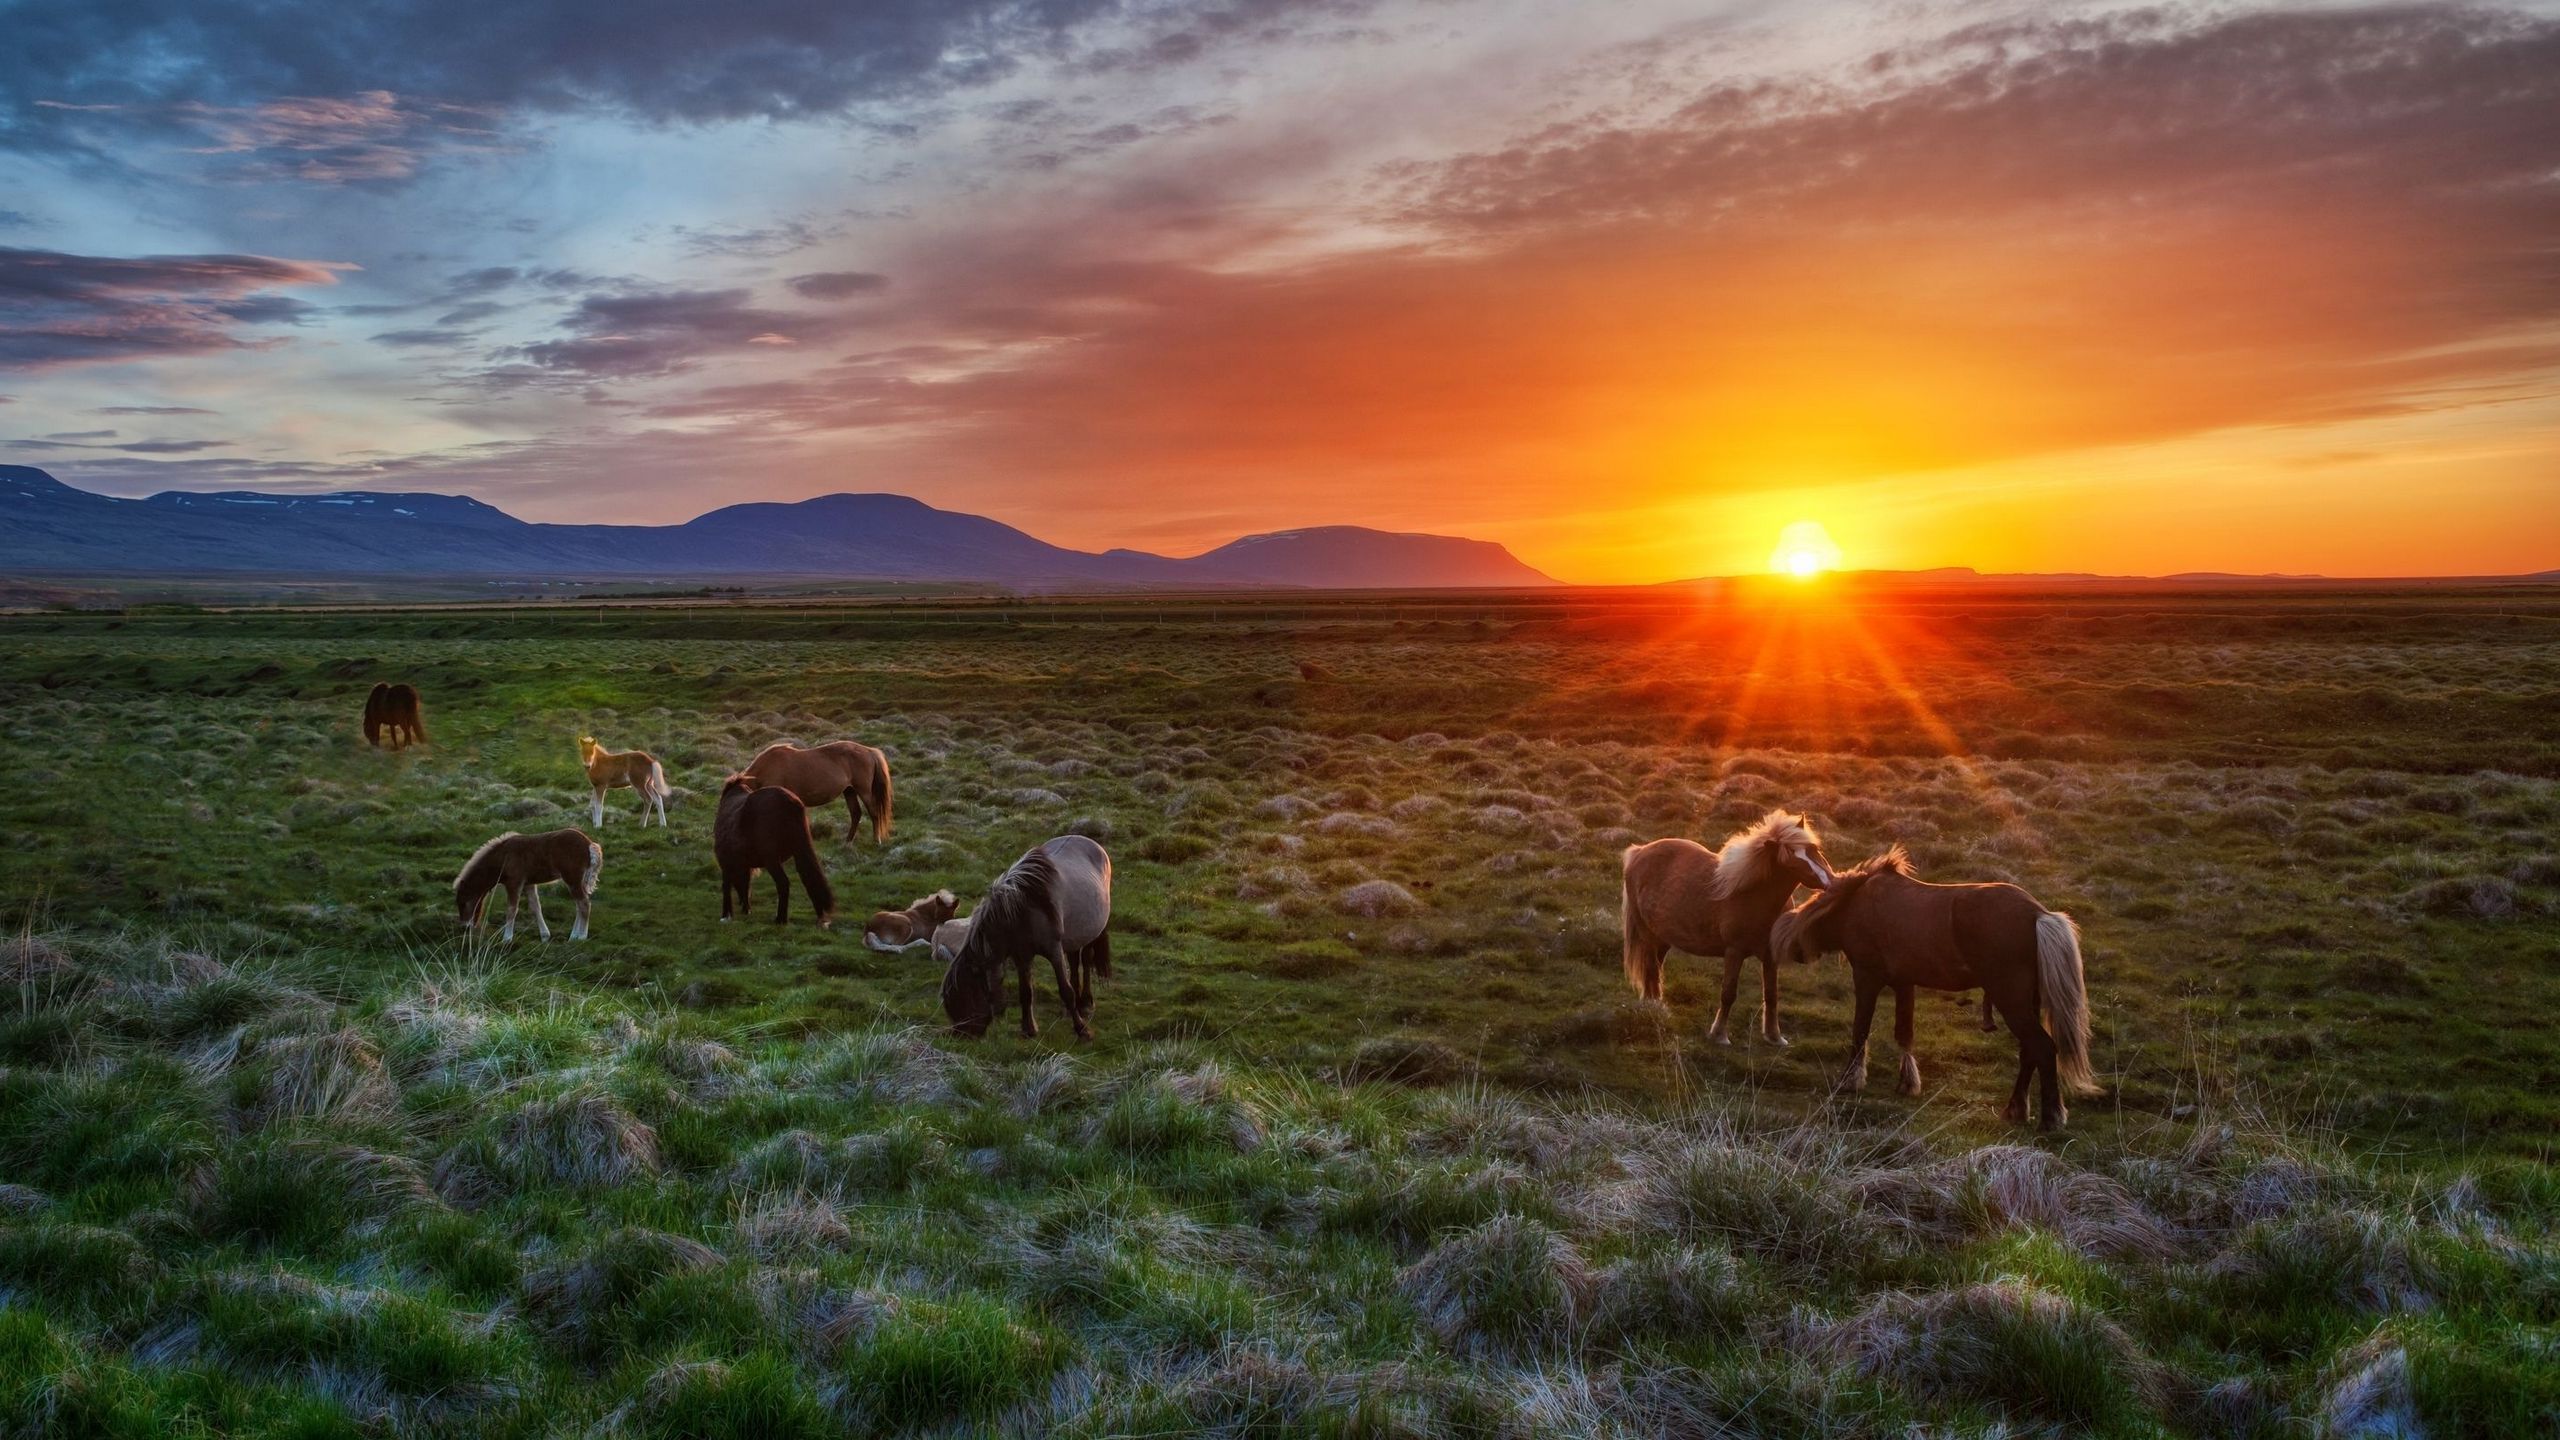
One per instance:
[(615, 769), (902, 929), (820, 774), (1055, 902), (524, 864), (760, 827), (394, 709), (1678, 895), (1902, 932)]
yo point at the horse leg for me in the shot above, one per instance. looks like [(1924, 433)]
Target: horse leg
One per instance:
[(596, 813), (1905, 1000), (1870, 985), (728, 891), (578, 931), (781, 894), (1724, 998), (1067, 991), (515, 896), (535, 891), (852, 815), (2022, 1024), (1769, 1030), (1022, 977), (1989, 1025)]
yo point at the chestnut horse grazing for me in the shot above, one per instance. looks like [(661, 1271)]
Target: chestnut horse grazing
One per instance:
[(394, 708), (901, 929), (524, 864), (1055, 901), (614, 769), (1678, 895), (820, 773), (1901, 932), (759, 827)]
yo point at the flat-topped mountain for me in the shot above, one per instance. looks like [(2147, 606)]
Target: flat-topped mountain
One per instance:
[(46, 525)]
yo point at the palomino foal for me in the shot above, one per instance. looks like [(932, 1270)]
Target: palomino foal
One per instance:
[(524, 864), (614, 769)]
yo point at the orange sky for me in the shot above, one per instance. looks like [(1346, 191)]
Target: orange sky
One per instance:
[(2021, 287)]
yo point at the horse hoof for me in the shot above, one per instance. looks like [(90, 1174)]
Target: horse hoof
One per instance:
[(2015, 1115), (1780, 1041), (1719, 1037)]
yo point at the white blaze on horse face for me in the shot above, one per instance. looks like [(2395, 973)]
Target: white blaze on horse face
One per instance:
[(1813, 862)]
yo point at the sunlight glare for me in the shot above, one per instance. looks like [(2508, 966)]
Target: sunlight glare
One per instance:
[(1805, 550)]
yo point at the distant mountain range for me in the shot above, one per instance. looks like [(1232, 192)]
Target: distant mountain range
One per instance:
[(47, 526)]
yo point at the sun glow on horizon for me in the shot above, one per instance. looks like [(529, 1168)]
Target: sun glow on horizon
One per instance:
[(1805, 550)]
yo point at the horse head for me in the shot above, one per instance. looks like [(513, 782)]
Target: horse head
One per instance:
[(972, 987)]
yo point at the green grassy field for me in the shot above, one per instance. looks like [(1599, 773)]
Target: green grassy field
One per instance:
[(1373, 1139)]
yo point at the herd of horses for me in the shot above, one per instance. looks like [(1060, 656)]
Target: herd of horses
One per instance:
[(1735, 903)]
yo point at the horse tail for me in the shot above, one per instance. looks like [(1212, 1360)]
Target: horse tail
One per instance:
[(880, 801), (595, 867), (657, 782), (804, 858), (2066, 997), (1635, 952), (1097, 956)]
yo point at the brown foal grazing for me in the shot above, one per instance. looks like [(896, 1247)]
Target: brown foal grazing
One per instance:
[(524, 864), (614, 769), (760, 827), (1678, 895), (1902, 932), (394, 708), (900, 929), (821, 773)]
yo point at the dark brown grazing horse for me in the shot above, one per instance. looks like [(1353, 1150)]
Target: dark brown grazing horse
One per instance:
[(820, 773), (394, 708), (1679, 895), (758, 828), (524, 864), (1901, 932), (1055, 902)]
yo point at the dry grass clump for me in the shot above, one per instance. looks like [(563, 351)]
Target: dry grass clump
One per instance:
[(2033, 1353), (897, 1067), (570, 1296), (329, 1074), (1681, 1292), (1377, 899), (2000, 1186), (1507, 1287), (1405, 1060), (2468, 897), (585, 1138), (791, 1226)]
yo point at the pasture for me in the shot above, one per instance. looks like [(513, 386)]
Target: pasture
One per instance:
[(1368, 1006)]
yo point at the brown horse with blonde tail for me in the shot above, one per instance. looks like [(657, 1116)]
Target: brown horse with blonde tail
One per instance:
[(1678, 895), (820, 774), (1904, 933)]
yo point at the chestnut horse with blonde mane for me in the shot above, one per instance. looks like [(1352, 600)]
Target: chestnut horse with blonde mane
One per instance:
[(1903, 932), (819, 774), (524, 864), (1677, 894), (615, 769)]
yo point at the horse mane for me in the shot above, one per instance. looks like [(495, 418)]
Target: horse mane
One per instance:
[(1792, 927), (483, 858), (1029, 885), (1750, 852)]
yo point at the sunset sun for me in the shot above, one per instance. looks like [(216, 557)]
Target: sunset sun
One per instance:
[(1805, 550)]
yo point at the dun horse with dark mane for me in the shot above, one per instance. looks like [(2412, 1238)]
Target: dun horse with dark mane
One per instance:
[(820, 773), (1678, 895), (1054, 902), (761, 827), (395, 709), (1902, 932), (524, 864)]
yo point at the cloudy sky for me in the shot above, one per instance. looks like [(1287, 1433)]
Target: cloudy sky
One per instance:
[(1627, 286)]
